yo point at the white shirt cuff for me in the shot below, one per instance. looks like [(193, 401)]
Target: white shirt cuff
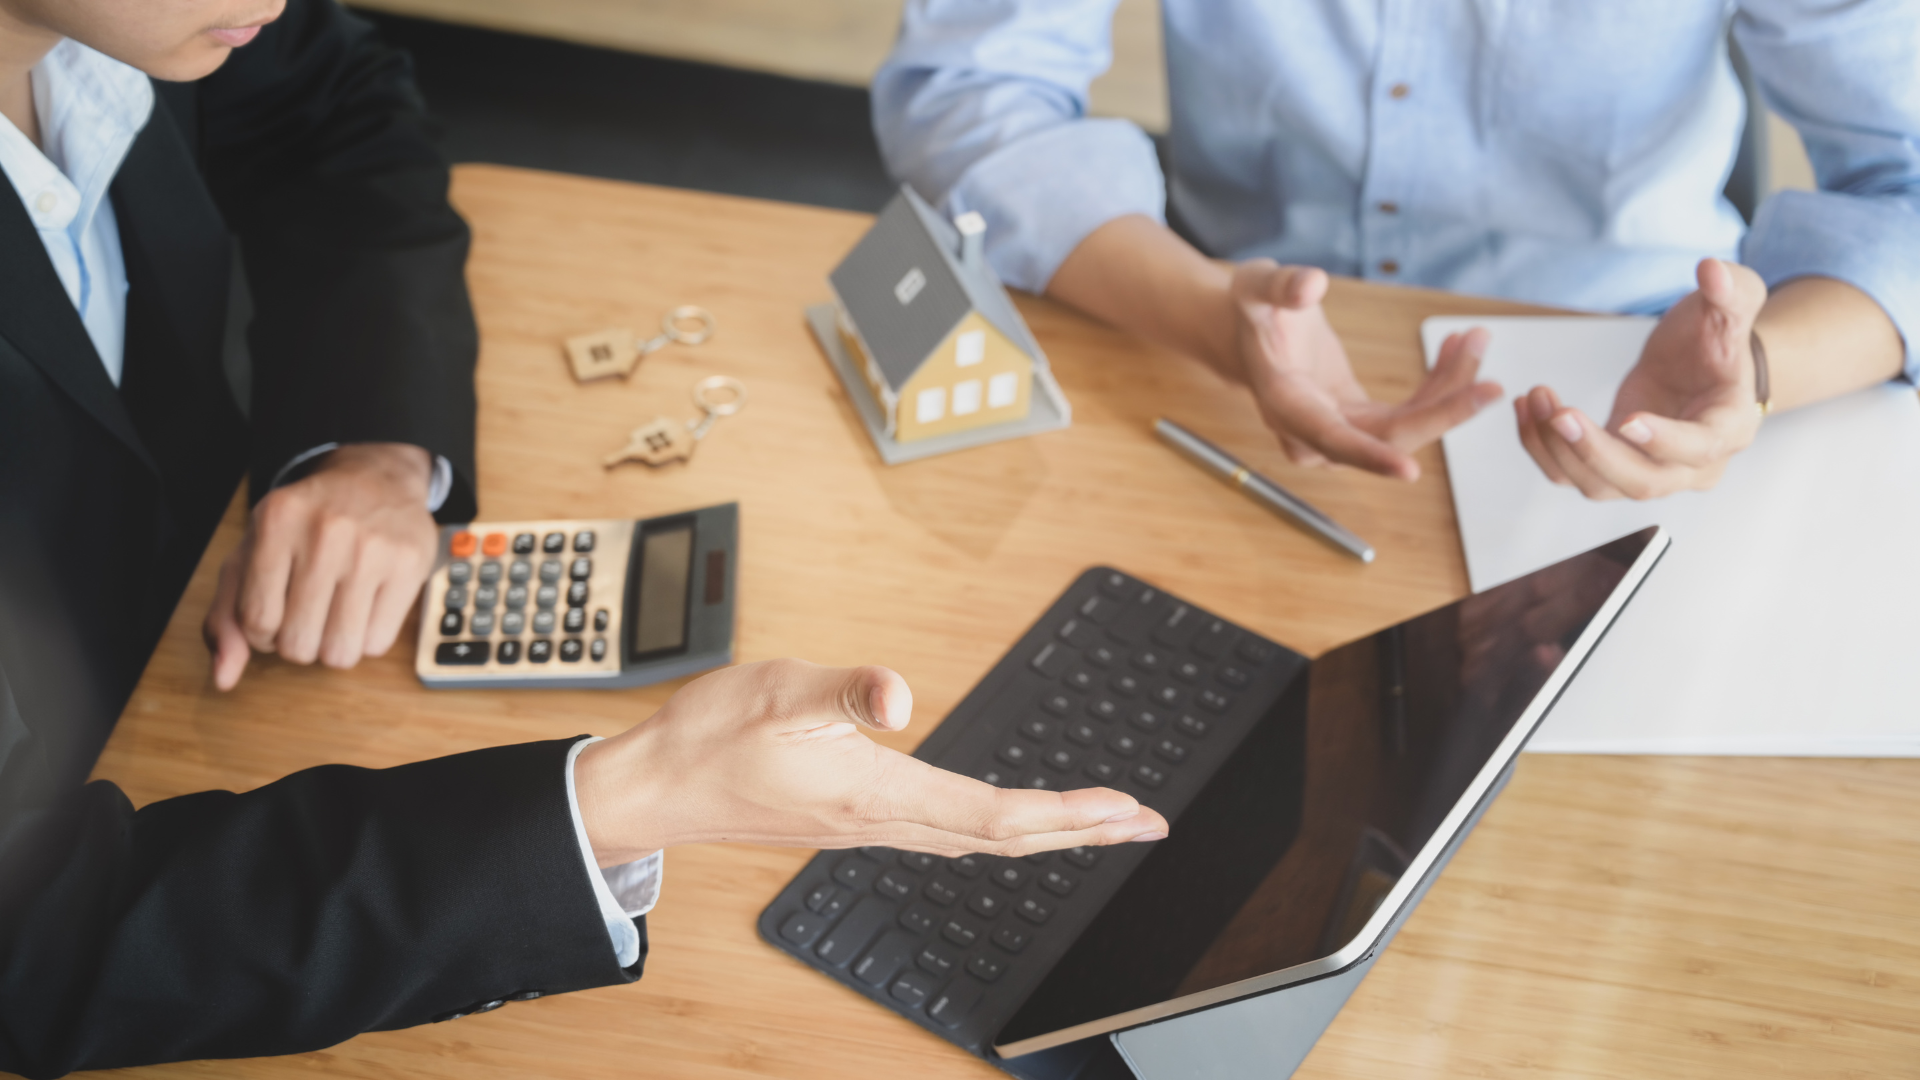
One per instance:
[(625, 892), (439, 485)]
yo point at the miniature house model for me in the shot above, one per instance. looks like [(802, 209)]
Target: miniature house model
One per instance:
[(930, 327)]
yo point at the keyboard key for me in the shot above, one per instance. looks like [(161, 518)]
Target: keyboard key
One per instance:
[(460, 653), (1083, 733), (876, 853), (1169, 751), (1057, 703), (1050, 661), (460, 573), (802, 928), (1102, 656), (850, 936), (1214, 699), (1213, 640), (967, 866), (1099, 610), (1146, 720), (1233, 677), (888, 955), (509, 652), (942, 892), (1015, 754), (856, 875), (1169, 696), (1188, 671), (985, 904), (1080, 634), (1103, 708), (1057, 883), (912, 988), (1104, 772), (554, 542), (1117, 585), (1179, 625), (1040, 858), (828, 900), (1082, 680), (1011, 938), (986, 967), (917, 919), (583, 541), (1083, 857), (1034, 911), (960, 933), (1060, 758), (1123, 744), (1149, 660), (995, 775), (917, 860), (539, 651), (1256, 652), (955, 1003), (895, 884), (1192, 726), (937, 959), (1009, 877), (1125, 684), (523, 544), (450, 624), (1037, 729), (1037, 782), (1148, 776)]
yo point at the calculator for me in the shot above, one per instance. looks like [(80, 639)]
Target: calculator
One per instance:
[(588, 603)]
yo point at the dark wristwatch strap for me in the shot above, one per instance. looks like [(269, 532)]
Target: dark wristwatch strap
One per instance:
[(1762, 391)]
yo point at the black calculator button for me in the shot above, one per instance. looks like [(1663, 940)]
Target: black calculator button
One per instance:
[(986, 967), (539, 651), (1060, 759), (967, 866), (1083, 733), (554, 542), (520, 572), (1009, 877), (512, 622), (1103, 771), (1083, 857), (509, 652), (912, 989), (1082, 680), (460, 653), (1104, 708), (523, 544), (450, 623), (960, 933), (600, 620), (516, 597), (942, 892), (598, 650), (1213, 639), (1170, 696), (486, 597), (1214, 699), (803, 928), (936, 959), (1125, 745), (1038, 782), (482, 624), (547, 596), (575, 621), (1148, 776), (995, 775), (1057, 883), (1011, 938), (460, 573), (1146, 720), (571, 650), (1125, 684), (1033, 910), (1015, 754), (956, 1003), (1050, 660), (1187, 671), (1080, 634), (1169, 751), (577, 595), (1233, 677), (1037, 729), (917, 860), (489, 573), (1149, 660), (985, 904), (543, 622), (894, 884), (855, 874), (456, 598), (1102, 656), (917, 919), (583, 541), (549, 571), (1257, 652), (1057, 703), (581, 570), (1192, 726), (1177, 627), (1117, 585), (828, 900)]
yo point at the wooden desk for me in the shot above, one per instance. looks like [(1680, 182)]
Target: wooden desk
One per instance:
[(1630, 917)]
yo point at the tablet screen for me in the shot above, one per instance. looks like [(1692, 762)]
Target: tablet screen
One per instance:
[(1295, 841)]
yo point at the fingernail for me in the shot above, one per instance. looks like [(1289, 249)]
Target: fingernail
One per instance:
[(1568, 427), (1542, 410), (1147, 837), (1636, 430), (1133, 813)]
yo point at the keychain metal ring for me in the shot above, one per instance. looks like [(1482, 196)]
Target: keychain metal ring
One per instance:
[(670, 326), (720, 382)]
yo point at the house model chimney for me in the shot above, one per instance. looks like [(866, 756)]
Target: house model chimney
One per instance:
[(973, 235)]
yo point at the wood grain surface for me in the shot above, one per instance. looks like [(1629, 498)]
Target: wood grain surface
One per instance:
[(1612, 917)]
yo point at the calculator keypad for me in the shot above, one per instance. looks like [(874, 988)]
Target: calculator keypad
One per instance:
[(507, 596)]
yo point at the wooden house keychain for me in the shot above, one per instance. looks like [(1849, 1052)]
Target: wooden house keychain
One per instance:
[(661, 441), (618, 351)]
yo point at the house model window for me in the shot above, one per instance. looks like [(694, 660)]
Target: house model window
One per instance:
[(932, 329)]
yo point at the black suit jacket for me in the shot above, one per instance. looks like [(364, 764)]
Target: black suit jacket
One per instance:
[(337, 900)]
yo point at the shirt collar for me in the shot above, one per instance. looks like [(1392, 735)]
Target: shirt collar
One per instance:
[(90, 108)]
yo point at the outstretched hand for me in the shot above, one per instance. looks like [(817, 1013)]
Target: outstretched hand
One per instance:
[(773, 753), (1680, 415), (1306, 391)]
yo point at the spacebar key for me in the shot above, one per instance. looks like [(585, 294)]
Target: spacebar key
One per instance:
[(845, 941)]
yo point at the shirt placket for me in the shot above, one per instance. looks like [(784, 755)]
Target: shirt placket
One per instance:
[(1394, 144)]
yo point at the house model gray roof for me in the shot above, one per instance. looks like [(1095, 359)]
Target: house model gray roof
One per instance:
[(905, 286)]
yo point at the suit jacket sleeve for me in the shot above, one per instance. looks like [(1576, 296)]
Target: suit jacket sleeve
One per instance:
[(317, 149), (334, 901)]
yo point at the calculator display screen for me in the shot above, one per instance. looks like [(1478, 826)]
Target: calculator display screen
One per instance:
[(660, 582), (1296, 840)]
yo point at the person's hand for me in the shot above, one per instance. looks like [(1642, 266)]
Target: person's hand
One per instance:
[(772, 753), (1304, 386), (330, 564), (1684, 410)]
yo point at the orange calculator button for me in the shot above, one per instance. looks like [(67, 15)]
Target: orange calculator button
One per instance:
[(461, 545), (495, 545)]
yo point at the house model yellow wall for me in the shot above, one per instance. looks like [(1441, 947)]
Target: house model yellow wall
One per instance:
[(973, 378)]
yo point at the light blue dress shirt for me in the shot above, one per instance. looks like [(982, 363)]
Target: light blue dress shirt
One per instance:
[(1567, 152)]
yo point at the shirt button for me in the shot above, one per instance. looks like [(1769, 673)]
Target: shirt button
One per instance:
[(45, 202), (1388, 266), (1389, 207), (1400, 90)]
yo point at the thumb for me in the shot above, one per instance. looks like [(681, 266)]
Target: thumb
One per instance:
[(794, 695), (1733, 290), (1264, 281), (225, 639)]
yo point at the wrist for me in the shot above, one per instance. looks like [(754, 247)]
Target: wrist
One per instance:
[(614, 796), (403, 466)]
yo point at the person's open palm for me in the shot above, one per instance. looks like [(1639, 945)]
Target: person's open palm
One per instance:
[(1306, 391), (1679, 416)]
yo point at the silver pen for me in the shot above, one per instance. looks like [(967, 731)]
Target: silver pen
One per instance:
[(1260, 488)]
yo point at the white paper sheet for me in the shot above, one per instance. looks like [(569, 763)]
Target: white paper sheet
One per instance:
[(1786, 617)]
